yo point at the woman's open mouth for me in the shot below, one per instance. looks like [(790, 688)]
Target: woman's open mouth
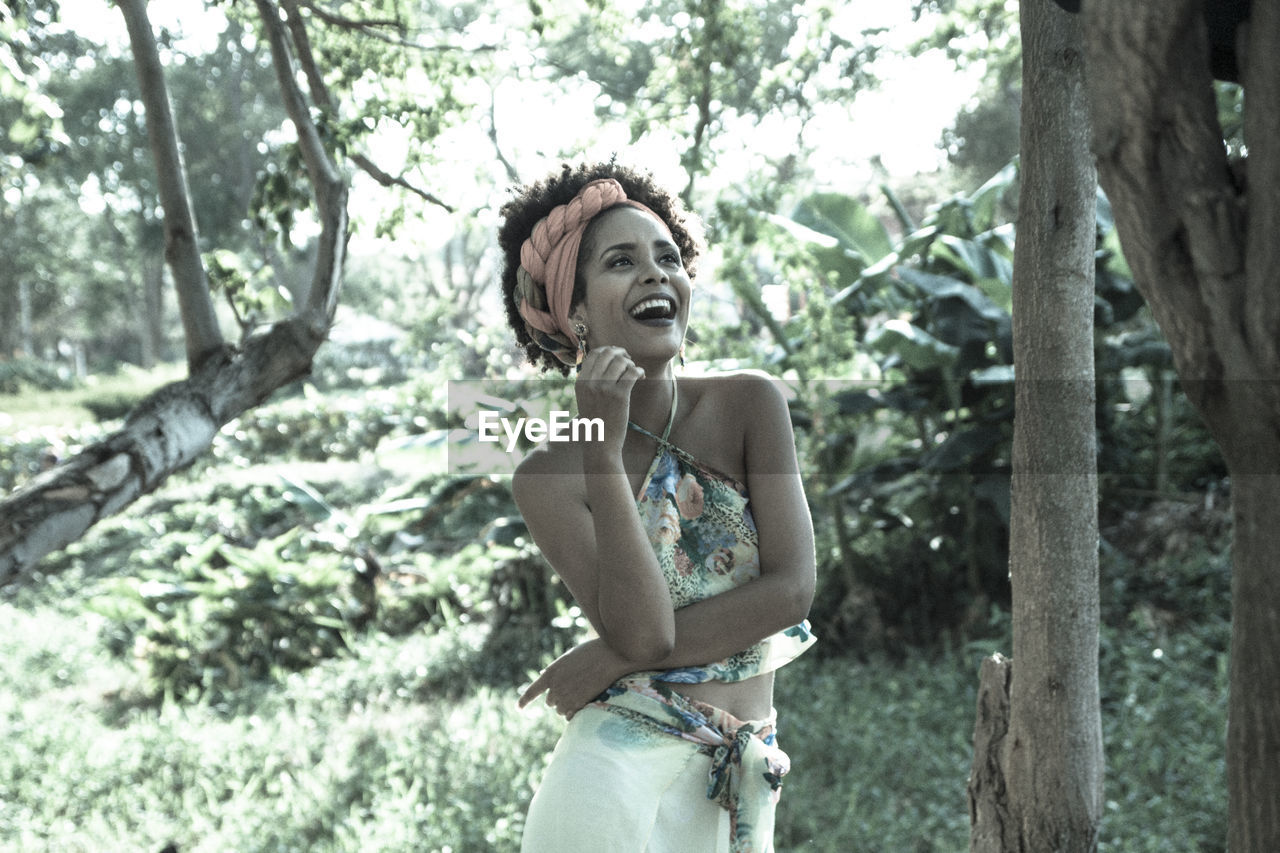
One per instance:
[(654, 310)]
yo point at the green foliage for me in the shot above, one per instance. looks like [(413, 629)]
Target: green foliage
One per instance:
[(280, 192), (345, 427), (706, 72), (254, 298), (907, 453), (227, 614), (24, 454), (111, 405), (910, 456), (390, 748), (33, 119), (155, 700), (224, 581), (1164, 676), (879, 755)]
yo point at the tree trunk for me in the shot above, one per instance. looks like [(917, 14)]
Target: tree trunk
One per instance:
[(26, 333), (175, 425), (181, 239), (1253, 712), (991, 826), (1202, 244), (1038, 786), (153, 332)]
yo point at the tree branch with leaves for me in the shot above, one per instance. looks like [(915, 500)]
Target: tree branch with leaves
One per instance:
[(174, 426)]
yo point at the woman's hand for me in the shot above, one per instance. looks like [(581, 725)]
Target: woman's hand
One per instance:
[(576, 677), (603, 390)]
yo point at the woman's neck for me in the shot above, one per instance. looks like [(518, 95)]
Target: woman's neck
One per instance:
[(651, 401)]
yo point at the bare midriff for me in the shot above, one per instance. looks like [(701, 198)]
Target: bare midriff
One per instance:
[(751, 699)]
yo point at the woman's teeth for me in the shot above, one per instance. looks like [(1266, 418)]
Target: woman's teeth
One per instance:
[(657, 308)]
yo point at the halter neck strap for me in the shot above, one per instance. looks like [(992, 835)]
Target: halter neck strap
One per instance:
[(671, 418)]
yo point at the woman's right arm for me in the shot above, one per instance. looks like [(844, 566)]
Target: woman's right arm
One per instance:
[(597, 545)]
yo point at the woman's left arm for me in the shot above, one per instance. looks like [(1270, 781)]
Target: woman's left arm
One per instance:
[(725, 624)]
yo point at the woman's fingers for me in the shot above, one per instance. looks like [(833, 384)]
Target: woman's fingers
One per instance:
[(532, 691), (542, 685), (609, 364), (603, 389)]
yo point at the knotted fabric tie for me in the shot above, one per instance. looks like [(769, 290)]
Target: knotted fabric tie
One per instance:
[(549, 265), (747, 766), (745, 778)]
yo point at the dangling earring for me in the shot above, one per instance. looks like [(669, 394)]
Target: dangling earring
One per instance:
[(682, 355), (580, 329)]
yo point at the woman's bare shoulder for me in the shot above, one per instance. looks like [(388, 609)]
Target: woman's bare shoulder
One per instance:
[(738, 393)]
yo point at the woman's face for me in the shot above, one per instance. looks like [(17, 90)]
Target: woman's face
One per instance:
[(637, 291)]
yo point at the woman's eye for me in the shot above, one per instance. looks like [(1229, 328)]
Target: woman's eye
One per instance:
[(619, 261)]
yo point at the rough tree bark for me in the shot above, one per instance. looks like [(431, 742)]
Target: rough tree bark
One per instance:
[(1202, 241), (174, 426), (1036, 783)]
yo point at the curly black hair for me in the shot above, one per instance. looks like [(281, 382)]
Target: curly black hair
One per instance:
[(530, 204)]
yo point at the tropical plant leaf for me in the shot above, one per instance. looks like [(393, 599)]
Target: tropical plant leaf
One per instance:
[(848, 220), (986, 199), (916, 348), (973, 259)]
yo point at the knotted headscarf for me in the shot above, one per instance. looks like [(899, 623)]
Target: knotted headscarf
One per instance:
[(549, 265)]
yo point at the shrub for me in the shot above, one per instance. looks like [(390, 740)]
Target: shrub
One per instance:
[(25, 454), (19, 373)]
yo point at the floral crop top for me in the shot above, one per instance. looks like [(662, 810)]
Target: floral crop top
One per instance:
[(700, 524)]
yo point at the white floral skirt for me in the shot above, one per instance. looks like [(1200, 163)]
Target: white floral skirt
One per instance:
[(647, 770)]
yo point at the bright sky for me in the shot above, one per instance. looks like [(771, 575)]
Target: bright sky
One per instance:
[(901, 122)]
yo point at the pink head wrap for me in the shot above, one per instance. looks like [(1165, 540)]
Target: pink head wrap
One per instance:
[(549, 265)]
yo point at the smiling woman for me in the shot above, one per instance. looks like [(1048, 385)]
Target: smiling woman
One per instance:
[(683, 533)]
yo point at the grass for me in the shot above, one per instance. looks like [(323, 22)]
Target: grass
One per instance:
[(376, 751), (395, 748), (34, 408)]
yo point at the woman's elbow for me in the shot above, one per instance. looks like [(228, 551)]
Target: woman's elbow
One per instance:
[(799, 598), (645, 648)]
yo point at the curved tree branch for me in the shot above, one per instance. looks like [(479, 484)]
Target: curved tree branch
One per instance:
[(360, 24), (182, 250), (373, 28), (327, 184), (512, 174)]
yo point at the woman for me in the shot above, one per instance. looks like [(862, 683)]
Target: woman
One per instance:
[(696, 593)]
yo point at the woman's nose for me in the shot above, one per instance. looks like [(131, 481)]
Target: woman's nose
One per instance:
[(653, 271)]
